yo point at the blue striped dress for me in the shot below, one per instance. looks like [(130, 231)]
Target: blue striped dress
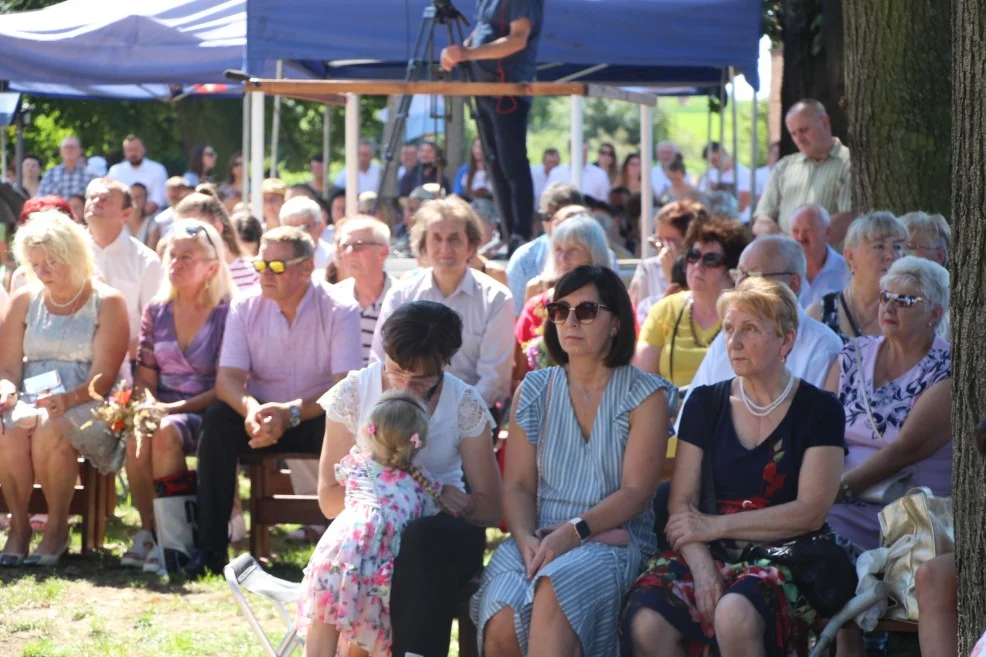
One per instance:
[(576, 475)]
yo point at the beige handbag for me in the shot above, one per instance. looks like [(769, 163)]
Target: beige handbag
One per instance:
[(924, 521)]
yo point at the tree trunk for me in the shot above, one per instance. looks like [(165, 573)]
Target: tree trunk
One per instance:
[(968, 265), (813, 46), (898, 83)]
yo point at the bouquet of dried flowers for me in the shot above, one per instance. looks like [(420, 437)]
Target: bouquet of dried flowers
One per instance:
[(125, 415)]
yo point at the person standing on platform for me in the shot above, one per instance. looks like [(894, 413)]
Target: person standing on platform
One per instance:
[(503, 48)]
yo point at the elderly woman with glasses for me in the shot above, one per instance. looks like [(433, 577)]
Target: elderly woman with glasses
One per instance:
[(587, 441), (177, 359), (577, 241), (873, 243), (896, 391), (680, 327), (439, 554)]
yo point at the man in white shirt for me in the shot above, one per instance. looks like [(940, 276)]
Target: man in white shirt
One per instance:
[(448, 232), (666, 152), (726, 175), (540, 172), (780, 259), (123, 261), (595, 182), (368, 176), (137, 168), (304, 213), (827, 270)]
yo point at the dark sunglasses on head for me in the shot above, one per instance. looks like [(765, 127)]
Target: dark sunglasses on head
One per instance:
[(277, 267), (193, 231), (710, 260), (585, 312), (900, 300)]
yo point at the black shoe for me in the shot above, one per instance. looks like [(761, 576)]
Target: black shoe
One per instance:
[(202, 563), (516, 241)]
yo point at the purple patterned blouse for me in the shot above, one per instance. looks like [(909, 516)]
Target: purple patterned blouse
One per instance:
[(181, 375)]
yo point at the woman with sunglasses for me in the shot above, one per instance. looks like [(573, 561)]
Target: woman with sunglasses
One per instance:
[(587, 440), (438, 555), (577, 241), (233, 186), (201, 164), (873, 243), (679, 328), (177, 358), (896, 389), (203, 207), (606, 160)]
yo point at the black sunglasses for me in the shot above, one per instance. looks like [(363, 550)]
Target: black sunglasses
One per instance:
[(585, 312), (710, 260), (193, 231)]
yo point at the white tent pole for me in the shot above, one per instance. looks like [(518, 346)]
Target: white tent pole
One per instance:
[(646, 193), (257, 155), (753, 158), (735, 151), (275, 128), (708, 153), (722, 126), (3, 149), (576, 162), (352, 154), (245, 152), (326, 148)]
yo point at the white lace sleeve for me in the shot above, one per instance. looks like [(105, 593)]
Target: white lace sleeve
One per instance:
[(473, 414), (341, 403)]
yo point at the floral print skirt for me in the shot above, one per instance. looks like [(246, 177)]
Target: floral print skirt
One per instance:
[(667, 587)]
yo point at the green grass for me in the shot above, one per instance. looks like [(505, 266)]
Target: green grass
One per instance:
[(91, 606)]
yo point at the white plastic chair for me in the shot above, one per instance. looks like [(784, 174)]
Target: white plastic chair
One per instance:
[(245, 573)]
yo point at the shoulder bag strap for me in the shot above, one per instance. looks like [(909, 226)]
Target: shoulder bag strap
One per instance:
[(539, 451), (861, 386), (849, 317), (674, 337)]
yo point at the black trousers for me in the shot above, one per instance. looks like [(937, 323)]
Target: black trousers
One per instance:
[(661, 515), (438, 556), (503, 124), (224, 438)]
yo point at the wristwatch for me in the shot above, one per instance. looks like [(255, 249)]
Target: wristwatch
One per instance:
[(847, 494), (582, 528), (295, 416)]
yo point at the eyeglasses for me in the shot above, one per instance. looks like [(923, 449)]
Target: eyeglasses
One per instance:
[(911, 247), (610, 153), (209, 152), (427, 383), (585, 312), (900, 300), (276, 267), (358, 245), (710, 260), (740, 275), (194, 231)]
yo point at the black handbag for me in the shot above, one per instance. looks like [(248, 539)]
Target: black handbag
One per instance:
[(821, 570)]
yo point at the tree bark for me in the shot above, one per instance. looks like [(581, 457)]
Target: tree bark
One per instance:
[(968, 265), (898, 83), (813, 46)]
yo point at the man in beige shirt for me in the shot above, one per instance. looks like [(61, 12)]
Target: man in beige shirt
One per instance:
[(818, 173)]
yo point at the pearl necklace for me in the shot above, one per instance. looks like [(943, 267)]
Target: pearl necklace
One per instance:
[(764, 411), (51, 299)]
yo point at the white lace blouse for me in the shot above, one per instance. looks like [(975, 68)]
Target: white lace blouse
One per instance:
[(460, 415)]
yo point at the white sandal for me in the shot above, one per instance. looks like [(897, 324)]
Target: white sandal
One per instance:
[(143, 545)]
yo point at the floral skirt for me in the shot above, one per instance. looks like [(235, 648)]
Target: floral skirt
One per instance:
[(667, 587)]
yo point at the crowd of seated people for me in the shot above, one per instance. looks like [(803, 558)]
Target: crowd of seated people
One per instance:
[(805, 372)]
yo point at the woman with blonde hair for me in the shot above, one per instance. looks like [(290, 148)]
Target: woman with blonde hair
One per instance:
[(177, 359), (66, 333), (209, 209)]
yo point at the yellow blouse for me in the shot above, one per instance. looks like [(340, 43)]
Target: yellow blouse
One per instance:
[(659, 329)]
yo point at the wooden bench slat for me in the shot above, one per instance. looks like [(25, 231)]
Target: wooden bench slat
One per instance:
[(283, 509)]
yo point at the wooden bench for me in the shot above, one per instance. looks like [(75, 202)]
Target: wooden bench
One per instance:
[(272, 501), (94, 499)]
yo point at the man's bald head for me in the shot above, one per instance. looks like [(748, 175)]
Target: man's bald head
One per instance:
[(778, 257)]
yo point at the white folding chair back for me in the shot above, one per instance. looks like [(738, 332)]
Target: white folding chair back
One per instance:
[(244, 573)]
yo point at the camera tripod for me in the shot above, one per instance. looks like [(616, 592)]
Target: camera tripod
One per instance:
[(422, 66)]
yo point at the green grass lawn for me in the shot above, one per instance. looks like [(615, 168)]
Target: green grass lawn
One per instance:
[(92, 606)]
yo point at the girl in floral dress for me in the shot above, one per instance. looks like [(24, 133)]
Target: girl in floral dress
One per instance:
[(346, 590)]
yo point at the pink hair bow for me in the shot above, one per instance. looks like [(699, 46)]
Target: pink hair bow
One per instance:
[(416, 441)]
